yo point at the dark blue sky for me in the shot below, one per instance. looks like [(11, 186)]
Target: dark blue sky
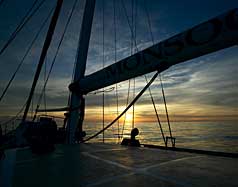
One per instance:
[(203, 86)]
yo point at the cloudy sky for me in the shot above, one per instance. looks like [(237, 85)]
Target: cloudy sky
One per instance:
[(205, 88)]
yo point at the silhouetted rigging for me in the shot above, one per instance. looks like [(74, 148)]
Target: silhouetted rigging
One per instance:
[(26, 54), (54, 59), (23, 22)]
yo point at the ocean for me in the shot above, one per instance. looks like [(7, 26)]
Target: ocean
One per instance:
[(215, 136)]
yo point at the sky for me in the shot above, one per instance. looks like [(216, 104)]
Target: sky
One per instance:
[(201, 89)]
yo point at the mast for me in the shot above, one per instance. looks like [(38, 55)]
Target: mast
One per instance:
[(43, 55), (216, 34), (77, 100)]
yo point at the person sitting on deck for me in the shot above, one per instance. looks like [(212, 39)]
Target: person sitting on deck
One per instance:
[(132, 141)]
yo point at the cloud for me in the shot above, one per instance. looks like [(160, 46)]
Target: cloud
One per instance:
[(205, 85)]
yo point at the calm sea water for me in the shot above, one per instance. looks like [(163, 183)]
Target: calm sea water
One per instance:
[(216, 136)]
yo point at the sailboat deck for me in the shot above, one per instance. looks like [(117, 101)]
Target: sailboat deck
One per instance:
[(85, 165)]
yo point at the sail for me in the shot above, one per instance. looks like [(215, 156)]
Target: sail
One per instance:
[(218, 33)]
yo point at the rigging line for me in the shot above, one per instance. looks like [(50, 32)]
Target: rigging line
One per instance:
[(20, 27), (132, 36), (132, 51), (25, 17), (149, 21), (26, 54), (132, 24), (54, 59), (103, 64), (45, 48), (161, 82), (115, 60), (151, 96), (127, 101), (15, 117), (111, 112), (132, 31), (135, 29), (32, 107), (44, 81), (156, 112), (126, 109), (134, 44), (133, 108), (166, 109), (128, 21), (73, 73), (118, 122)]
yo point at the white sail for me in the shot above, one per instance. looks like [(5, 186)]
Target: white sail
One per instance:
[(218, 33)]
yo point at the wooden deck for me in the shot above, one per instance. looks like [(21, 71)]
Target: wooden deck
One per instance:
[(85, 165)]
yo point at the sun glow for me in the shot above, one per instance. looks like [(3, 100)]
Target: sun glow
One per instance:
[(129, 118)]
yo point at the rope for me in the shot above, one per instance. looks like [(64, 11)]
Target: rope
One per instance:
[(32, 107), (151, 96), (149, 21), (25, 17), (45, 81), (33, 41), (152, 38), (127, 101), (15, 117), (132, 38), (132, 51), (45, 48), (134, 44), (135, 29), (132, 25), (165, 105), (24, 21), (161, 82), (103, 64), (156, 112), (126, 109), (54, 59), (115, 60), (128, 21), (133, 108), (26, 54)]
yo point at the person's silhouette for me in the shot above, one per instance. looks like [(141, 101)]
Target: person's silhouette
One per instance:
[(132, 141)]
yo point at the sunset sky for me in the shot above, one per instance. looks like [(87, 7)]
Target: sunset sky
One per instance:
[(205, 88)]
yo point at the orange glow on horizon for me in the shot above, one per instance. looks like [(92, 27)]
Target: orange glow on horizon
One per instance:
[(146, 113)]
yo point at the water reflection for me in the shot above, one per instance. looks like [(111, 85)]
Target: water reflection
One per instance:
[(217, 136)]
